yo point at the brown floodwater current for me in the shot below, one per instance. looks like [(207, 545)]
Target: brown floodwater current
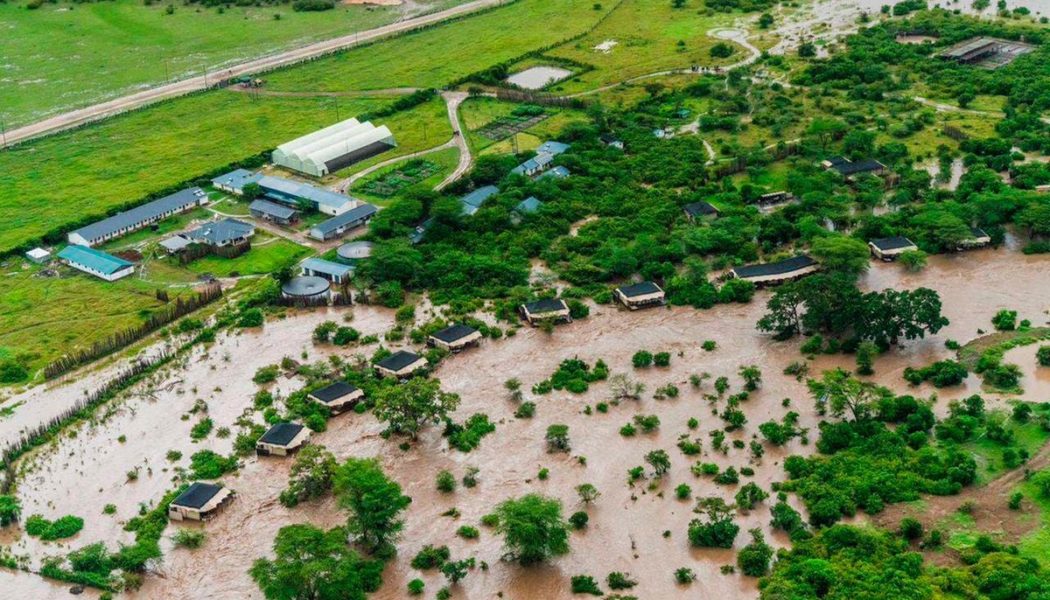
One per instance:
[(627, 524)]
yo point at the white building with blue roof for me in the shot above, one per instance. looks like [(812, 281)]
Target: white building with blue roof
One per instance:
[(96, 262), (332, 271), (545, 154), (234, 181)]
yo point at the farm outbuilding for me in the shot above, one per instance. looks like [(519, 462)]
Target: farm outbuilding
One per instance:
[(337, 273), (96, 262), (887, 249), (222, 233), (234, 181), (282, 439), (335, 147), (455, 338), (339, 225), (296, 193), (38, 255), (472, 202), (549, 309), (138, 217), (640, 295), (273, 212), (200, 502), (776, 272), (338, 397), (400, 364)]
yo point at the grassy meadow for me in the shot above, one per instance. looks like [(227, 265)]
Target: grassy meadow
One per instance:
[(62, 56), (439, 55), (88, 171)]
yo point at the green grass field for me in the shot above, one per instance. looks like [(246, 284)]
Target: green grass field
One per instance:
[(439, 55), (63, 56), (62, 178), (45, 317), (648, 36), (269, 254)]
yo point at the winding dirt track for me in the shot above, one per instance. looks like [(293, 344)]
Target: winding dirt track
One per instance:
[(185, 86)]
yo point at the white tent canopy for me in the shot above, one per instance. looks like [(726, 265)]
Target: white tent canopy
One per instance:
[(333, 147)]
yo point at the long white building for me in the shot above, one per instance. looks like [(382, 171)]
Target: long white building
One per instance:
[(335, 147)]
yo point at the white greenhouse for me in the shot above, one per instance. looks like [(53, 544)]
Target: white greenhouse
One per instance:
[(333, 148)]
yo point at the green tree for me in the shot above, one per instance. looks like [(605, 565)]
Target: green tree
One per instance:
[(10, 509), (311, 476), (754, 558), (913, 260), (845, 395), (312, 564), (715, 528), (533, 528), (374, 501), (825, 130), (408, 407), (841, 254)]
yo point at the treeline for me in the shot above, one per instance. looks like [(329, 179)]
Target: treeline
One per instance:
[(162, 317)]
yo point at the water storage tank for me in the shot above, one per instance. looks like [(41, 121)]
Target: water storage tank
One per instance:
[(306, 287)]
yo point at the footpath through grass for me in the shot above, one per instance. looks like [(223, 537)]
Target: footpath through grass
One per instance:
[(63, 56)]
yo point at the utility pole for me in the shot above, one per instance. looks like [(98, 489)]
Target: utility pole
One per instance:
[(3, 133), (205, 76)]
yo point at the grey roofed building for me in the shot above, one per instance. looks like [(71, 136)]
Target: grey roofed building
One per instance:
[(279, 213), (545, 305), (332, 271), (775, 268), (529, 205), (398, 360), (333, 392), (222, 233), (454, 332), (639, 289), (420, 231), (545, 154), (892, 243), (695, 210), (197, 495), (473, 201), (175, 243), (281, 434), (138, 217), (235, 180), (868, 165), (558, 172), (340, 224), (553, 148)]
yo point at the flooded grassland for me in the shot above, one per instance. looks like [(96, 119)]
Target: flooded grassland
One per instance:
[(627, 524)]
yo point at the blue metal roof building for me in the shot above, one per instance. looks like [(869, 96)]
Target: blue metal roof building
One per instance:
[(96, 262), (332, 271), (291, 192), (473, 201), (234, 181), (340, 224)]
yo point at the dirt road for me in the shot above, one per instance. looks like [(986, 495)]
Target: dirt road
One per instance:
[(178, 88)]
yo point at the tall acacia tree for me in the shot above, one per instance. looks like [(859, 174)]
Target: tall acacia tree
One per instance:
[(408, 407), (375, 502), (533, 528)]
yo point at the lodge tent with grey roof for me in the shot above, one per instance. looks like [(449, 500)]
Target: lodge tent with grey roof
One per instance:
[(640, 295), (234, 181), (472, 202), (400, 364), (850, 169), (338, 397), (772, 198), (141, 216), (339, 225), (222, 233), (558, 172), (200, 502), (888, 249), (979, 238), (96, 262), (454, 338), (778, 272), (337, 273), (548, 309), (282, 439), (273, 212), (699, 210)]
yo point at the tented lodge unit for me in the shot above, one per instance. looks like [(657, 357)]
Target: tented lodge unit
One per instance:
[(335, 147)]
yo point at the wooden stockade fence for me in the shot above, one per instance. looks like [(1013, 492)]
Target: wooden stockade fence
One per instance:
[(169, 313), (82, 408)]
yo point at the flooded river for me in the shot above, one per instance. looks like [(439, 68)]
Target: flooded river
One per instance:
[(626, 531)]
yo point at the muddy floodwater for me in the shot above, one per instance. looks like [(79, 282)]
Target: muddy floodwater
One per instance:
[(627, 524)]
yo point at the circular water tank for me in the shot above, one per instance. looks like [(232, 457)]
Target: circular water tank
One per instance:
[(306, 287), (355, 250)]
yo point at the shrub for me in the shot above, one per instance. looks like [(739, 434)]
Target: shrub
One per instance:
[(466, 437), (188, 538), (416, 587), (662, 359), (446, 482), (62, 528), (585, 584), (642, 359), (10, 509), (942, 373), (911, 529), (345, 335), (207, 464), (1042, 355), (526, 411), (579, 519), (620, 581), (683, 491), (201, 429), (1005, 320), (754, 558), (558, 438), (266, 374), (684, 575), (430, 557), (468, 533)]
